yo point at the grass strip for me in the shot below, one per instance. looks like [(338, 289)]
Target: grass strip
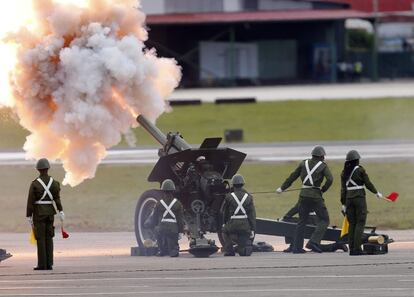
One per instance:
[(322, 120), (107, 202)]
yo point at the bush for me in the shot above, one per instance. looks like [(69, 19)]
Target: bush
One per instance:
[(360, 39)]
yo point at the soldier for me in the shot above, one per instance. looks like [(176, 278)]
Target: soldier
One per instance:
[(40, 213), (239, 218), (312, 220), (168, 215), (353, 181), (312, 172)]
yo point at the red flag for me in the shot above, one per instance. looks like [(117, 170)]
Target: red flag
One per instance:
[(64, 233), (392, 196)]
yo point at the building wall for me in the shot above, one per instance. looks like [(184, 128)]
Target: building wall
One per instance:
[(282, 5), (233, 5), (396, 30), (262, 53), (183, 6), (225, 60), (383, 5), (278, 59), (153, 6)]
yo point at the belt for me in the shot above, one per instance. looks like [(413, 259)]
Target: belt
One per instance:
[(43, 202), (239, 217), (310, 187), (169, 220), (355, 188)]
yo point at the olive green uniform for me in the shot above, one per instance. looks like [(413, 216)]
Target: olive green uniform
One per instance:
[(331, 247), (169, 224), (239, 222), (43, 213), (310, 198), (353, 196)]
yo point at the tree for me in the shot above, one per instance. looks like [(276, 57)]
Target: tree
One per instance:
[(359, 39)]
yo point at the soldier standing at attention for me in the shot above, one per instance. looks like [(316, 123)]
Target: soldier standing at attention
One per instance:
[(40, 213), (312, 173), (239, 219), (168, 215), (354, 179)]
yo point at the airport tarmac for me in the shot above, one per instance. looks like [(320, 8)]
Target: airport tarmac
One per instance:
[(99, 264), (258, 152), (360, 90)]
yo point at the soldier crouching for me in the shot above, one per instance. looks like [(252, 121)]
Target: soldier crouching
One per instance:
[(240, 219), (168, 218)]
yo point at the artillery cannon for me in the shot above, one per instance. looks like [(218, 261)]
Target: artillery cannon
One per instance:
[(201, 178)]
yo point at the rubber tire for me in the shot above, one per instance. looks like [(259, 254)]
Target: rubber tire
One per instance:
[(145, 204)]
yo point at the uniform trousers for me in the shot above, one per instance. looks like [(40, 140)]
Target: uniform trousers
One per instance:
[(167, 242), (307, 205), (44, 233), (356, 211), (240, 236)]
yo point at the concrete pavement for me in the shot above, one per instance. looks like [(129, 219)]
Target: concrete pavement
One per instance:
[(269, 152), (98, 264)]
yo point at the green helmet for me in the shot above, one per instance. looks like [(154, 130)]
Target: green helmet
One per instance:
[(352, 155), (168, 185), (42, 164), (237, 180), (318, 151)]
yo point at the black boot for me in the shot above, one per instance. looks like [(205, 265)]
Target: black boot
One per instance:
[(289, 249), (298, 251), (357, 253), (229, 254), (314, 247), (341, 246)]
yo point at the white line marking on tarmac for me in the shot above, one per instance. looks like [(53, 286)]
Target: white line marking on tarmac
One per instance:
[(255, 153), (296, 158), (169, 292), (211, 278), (66, 287)]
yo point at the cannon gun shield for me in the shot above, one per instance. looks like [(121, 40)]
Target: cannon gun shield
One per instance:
[(224, 160)]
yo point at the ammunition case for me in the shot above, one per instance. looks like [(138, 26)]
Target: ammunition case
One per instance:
[(376, 239)]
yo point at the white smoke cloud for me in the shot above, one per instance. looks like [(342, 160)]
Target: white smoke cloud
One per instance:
[(82, 76)]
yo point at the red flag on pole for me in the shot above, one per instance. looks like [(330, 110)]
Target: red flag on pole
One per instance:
[(392, 196), (64, 233)]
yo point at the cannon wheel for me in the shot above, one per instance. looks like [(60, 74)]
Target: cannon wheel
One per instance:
[(143, 209)]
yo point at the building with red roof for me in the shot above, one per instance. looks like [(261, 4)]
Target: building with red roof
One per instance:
[(227, 42)]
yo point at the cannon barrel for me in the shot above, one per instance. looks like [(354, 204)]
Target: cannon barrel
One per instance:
[(178, 144)]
